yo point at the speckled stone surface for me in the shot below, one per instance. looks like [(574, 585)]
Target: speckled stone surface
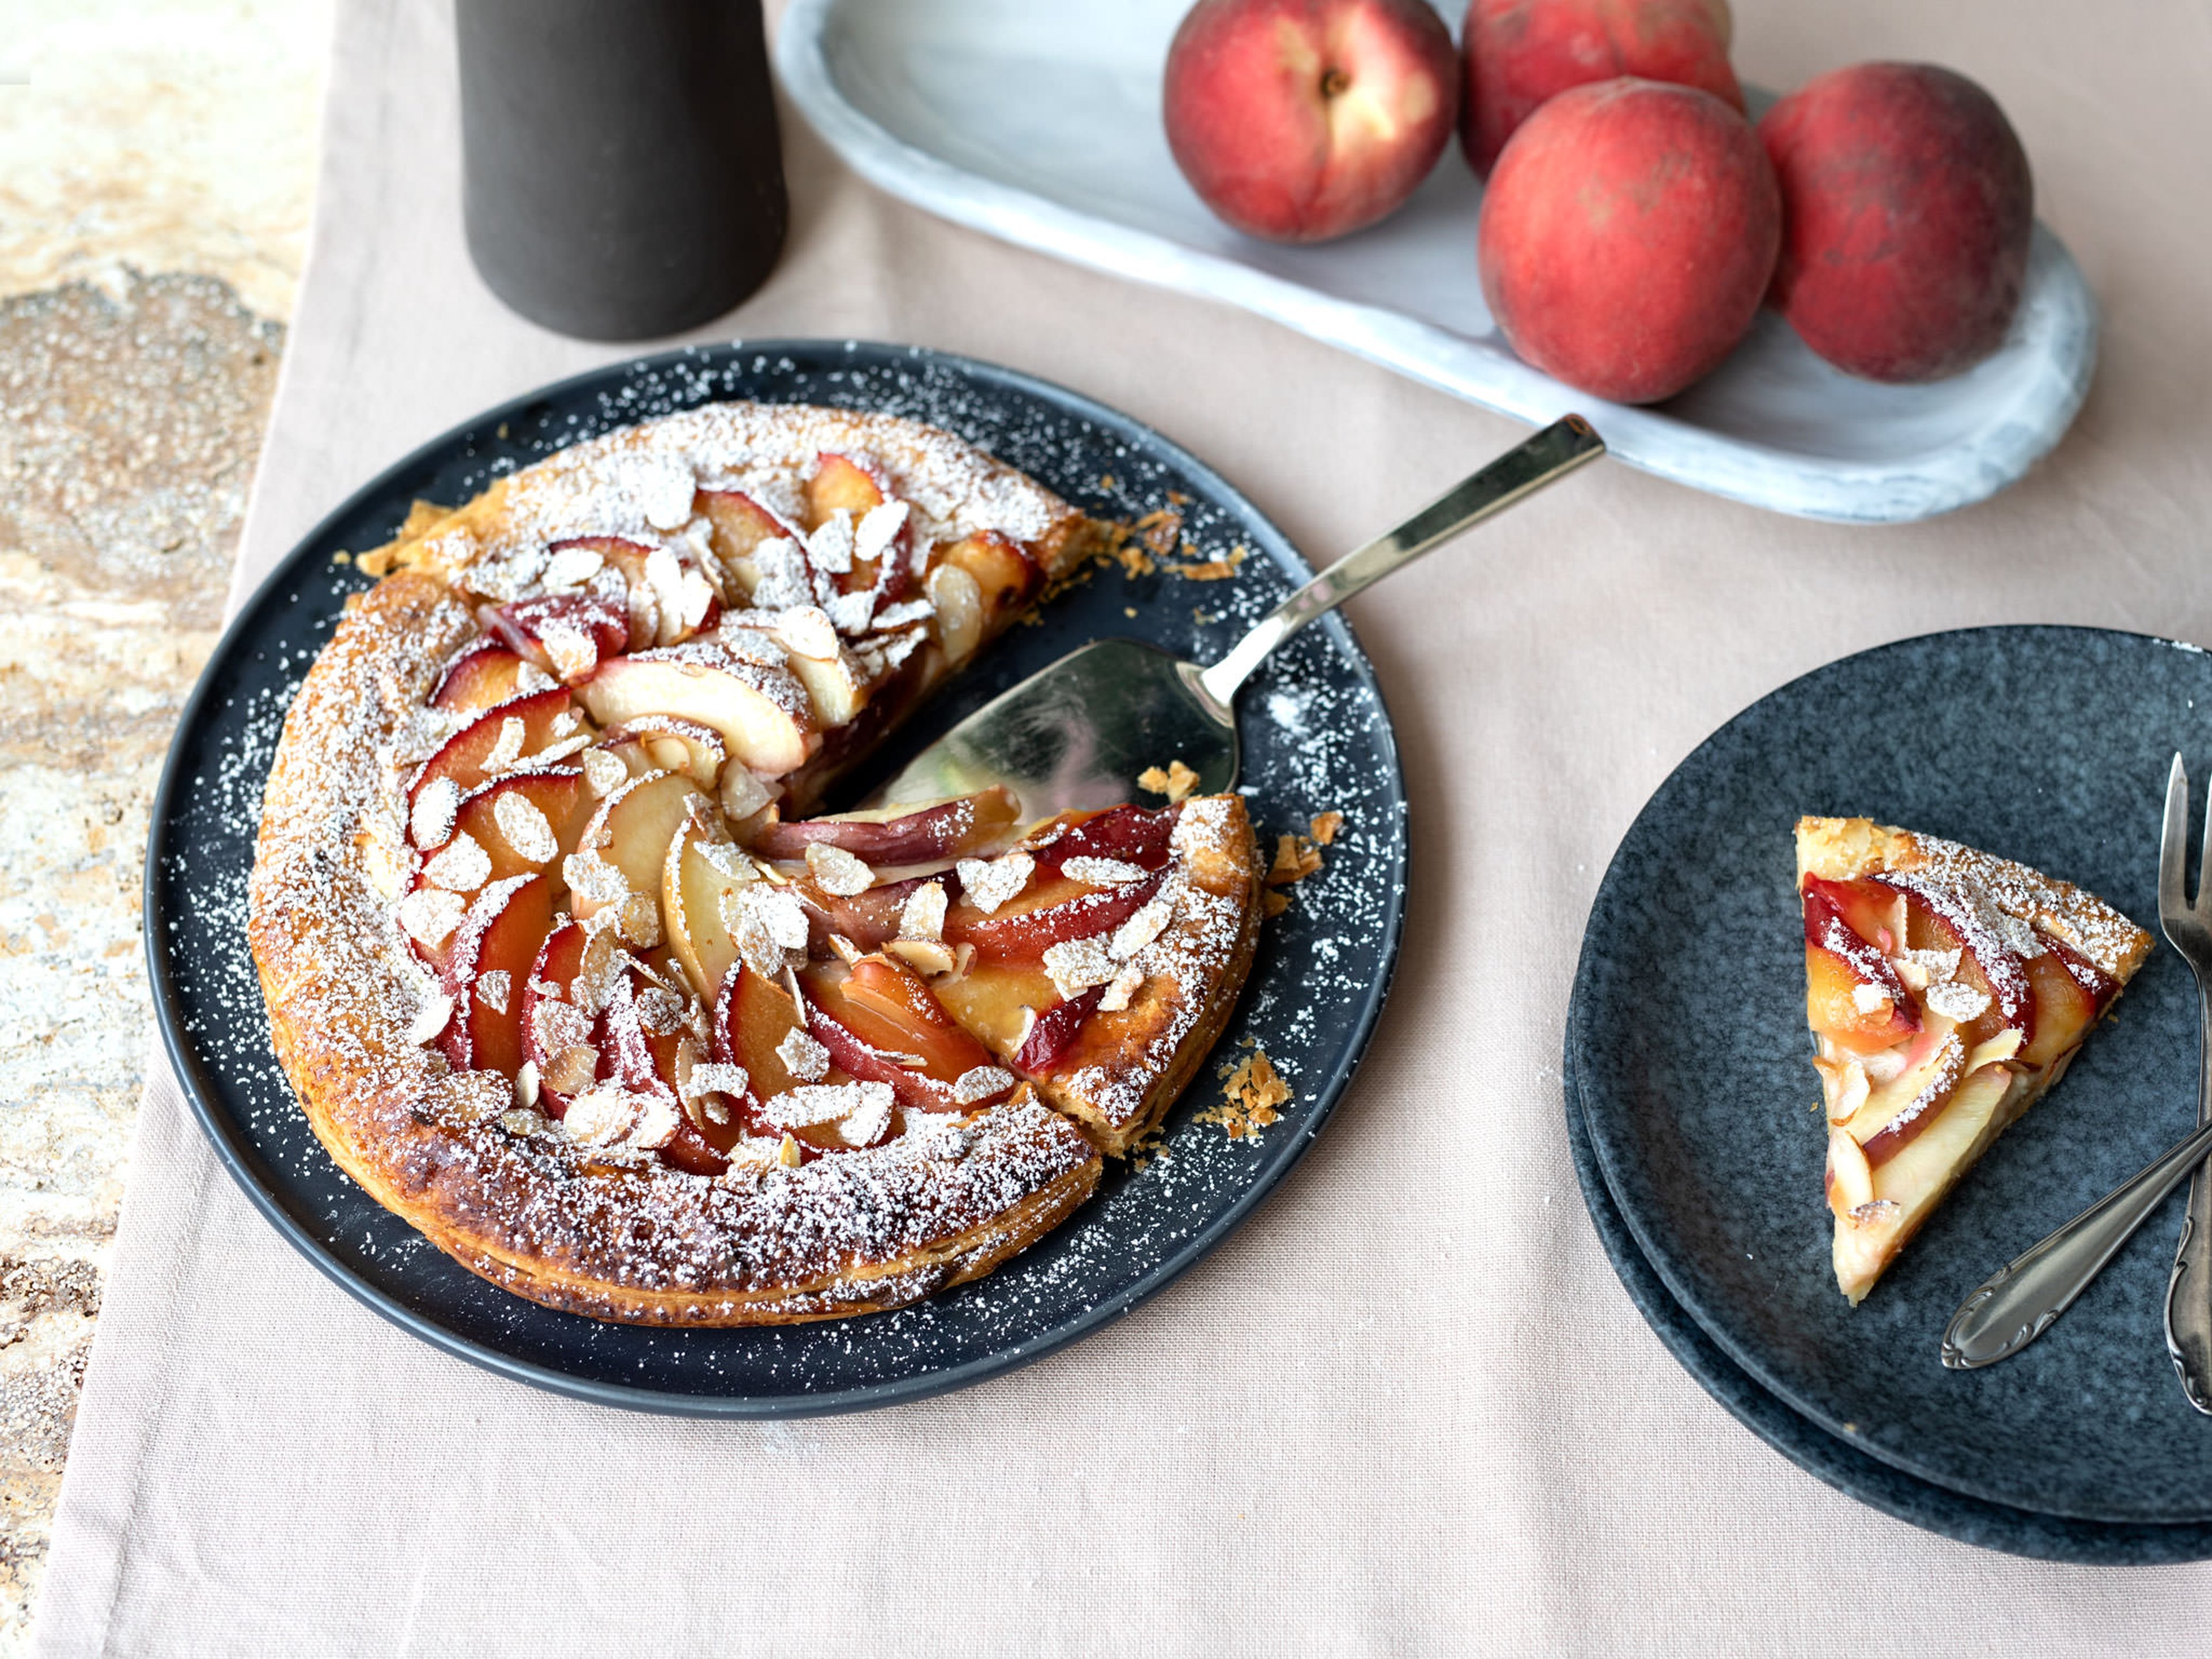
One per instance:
[(2049, 746), (177, 139)]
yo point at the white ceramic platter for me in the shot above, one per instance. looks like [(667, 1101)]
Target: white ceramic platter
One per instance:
[(1039, 124)]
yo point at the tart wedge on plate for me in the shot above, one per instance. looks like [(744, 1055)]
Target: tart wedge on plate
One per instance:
[(1948, 990)]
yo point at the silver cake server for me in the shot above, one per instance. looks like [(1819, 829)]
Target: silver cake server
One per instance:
[(1079, 732)]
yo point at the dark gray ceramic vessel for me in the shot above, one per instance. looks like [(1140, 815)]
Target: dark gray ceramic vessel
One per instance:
[(1315, 737), (1686, 1032)]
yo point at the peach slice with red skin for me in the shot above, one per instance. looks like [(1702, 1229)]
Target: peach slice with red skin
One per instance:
[(1025, 935), (1128, 835), (553, 979), (668, 742), (880, 1008), (502, 933), (869, 919), (631, 829), (480, 677), (596, 627), (2066, 1005), (1936, 919), (967, 826), (1055, 1032), (739, 526), (762, 713), (752, 1018), (464, 755), (1005, 576), (651, 1064), (1000, 1002), (559, 795)]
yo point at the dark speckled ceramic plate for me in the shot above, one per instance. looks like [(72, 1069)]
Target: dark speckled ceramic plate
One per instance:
[(2047, 744), (1315, 737)]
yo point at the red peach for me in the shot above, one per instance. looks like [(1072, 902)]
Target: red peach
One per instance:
[(1906, 210), (1520, 52), (1298, 120), (1628, 236)]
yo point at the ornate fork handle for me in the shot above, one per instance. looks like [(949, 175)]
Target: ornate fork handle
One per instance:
[(2189, 1292), (2018, 1303)]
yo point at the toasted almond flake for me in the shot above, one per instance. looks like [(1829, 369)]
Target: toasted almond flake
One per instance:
[(1077, 964), (462, 867), (492, 988), (741, 635), (851, 614), (573, 650), (431, 822), (522, 1122), (1955, 999), (802, 1057), (436, 1013), (830, 549), (660, 1010), (666, 577), (981, 1082), (600, 1116), (572, 1068), (507, 748), (526, 1089), (571, 567), (1176, 782), (806, 631), (529, 677), (924, 956), (554, 753), (523, 823), (787, 1154), (905, 614), (743, 792), (638, 920), (879, 528), (715, 1076), (1102, 872), (1142, 928), (566, 721), (846, 949), (657, 1121), (604, 771), (429, 915), (923, 916), (867, 1121), (1867, 998), (989, 883), (1122, 988), (837, 872)]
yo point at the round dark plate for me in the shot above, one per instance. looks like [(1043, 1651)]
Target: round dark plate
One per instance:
[(1813, 1449), (1316, 738), (2047, 744)]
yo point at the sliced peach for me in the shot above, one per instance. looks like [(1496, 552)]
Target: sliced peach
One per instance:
[(1908, 1186), (1871, 909), (489, 972), (1005, 576), (997, 1001), (753, 1017), (1055, 1032), (567, 635), (869, 919), (548, 1032), (631, 831), (541, 718), (2065, 1007), (1833, 984), (696, 880), (557, 798), (957, 600), (1937, 919), (740, 523), (1025, 935), (1128, 835), (877, 1012), (760, 711), (841, 482), (669, 743), (481, 676), (966, 826)]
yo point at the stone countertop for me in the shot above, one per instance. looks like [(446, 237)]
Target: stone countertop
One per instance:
[(156, 165)]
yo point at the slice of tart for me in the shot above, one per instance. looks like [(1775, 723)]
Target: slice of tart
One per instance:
[(566, 976), (1948, 990)]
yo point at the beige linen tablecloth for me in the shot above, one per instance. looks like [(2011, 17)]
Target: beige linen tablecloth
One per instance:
[(1408, 1407)]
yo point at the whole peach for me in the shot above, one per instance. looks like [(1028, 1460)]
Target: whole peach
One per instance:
[(1628, 234), (1298, 120), (1906, 209), (1519, 52)]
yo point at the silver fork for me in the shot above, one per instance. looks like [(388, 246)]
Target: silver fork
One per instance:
[(2018, 1303), (2187, 929)]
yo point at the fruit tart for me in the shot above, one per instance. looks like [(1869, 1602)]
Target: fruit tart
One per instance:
[(565, 976), (1948, 990)]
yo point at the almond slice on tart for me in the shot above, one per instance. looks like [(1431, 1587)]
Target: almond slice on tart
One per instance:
[(566, 975), (1948, 990)]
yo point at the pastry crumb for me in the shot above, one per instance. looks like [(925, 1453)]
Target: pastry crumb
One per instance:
[(1274, 901), (1212, 570), (1176, 783), (1252, 1090), (1295, 858), (1325, 827)]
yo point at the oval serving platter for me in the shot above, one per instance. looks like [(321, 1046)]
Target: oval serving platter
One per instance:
[(1317, 738), (1041, 125), (1687, 1034)]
